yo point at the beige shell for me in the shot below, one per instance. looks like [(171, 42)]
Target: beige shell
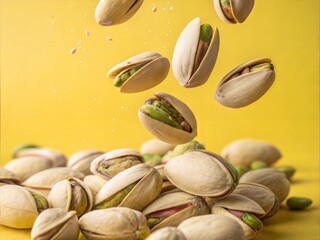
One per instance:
[(168, 187), (155, 146), (271, 178), (245, 151), (8, 177), (17, 207), (117, 153), (94, 183), (60, 195), (81, 160), (176, 199), (247, 88), (146, 190), (185, 52), (240, 10), (56, 223), (114, 223), (25, 167), (109, 12), (210, 176), (154, 71), (43, 181), (167, 233), (165, 132), (160, 169), (213, 227)]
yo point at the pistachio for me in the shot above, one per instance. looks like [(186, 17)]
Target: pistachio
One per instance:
[(152, 159), (298, 203), (140, 72), (258, 165), (168, 187), (183, 148), (56, 223), (156, 147), (195, 54), (8, 177), (167, 233), (242, 170), (169, 119), (41, 202), (22, 147), (94, 183), (82, 160), (160, 169), (287, 170)]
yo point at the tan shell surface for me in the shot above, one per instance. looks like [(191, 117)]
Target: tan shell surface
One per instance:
[(167, 233), (94, 183), (245, 151), (213, 227), (209, 176), (160, 169), (5, 174), (109, 12), (155, 146), (81, 160)]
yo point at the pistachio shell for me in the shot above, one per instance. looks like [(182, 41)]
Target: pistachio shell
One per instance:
[(81, 160), (168, 187), (163, 131), (245, 151), (213, 227), (7, 176), (185, 52), (109, 12), (114, 223), (56, 223), (155, 146), (160, 169), (94, 183), (210, 173), (167, 233)]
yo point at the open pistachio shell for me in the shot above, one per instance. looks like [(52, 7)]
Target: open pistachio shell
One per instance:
[(185, 54), (111, 163), (168, 187), (148, 184), (82, 160), (56, 223), (114, 223), (175, 208), (167, 233), (240, 91), (109, 12), (152, 69), (213, 227), (202, 173), (94, 183), (243, 152), (166, 132), (155, 146), (8, 177), (239, 10)]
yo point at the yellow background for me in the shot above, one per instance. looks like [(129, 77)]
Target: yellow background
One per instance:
[(65, 101)]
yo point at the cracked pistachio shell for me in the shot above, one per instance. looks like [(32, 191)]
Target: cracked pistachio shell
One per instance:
[(8, 177), (115, 224), (94, 183), (56, 223), (43, 181), (246, 88), (261, 195), (173, 200), (110, 12), (17, 207), (165, 132), (245, 151), (202, 173), (148, 187), (160, 169), (240, 10), (184, 56), (152, 73), (155, 146), (25, 167), (275, 180), (213, 227), (167, 233), (82, 160), (62, 196), (115, 154)]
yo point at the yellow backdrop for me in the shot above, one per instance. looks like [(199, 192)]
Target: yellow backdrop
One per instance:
[(65, 101)]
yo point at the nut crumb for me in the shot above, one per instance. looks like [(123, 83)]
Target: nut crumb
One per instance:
[(73, 50), (154, 9), (86, 32), (108, 38)]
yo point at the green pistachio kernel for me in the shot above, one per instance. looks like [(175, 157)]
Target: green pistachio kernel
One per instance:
[(258, 164), (262, 66), (287, 170), (152, 159), (153, 221), (242, 170), (41, 202), (206, 32), (225, 3), (251, 220), (120, 80), (182, 148), (298, 203)]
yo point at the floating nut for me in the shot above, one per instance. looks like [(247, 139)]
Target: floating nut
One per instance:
[(23, 147), (140, 72), (135, 188), (168, 119), (82, 160), (111, 163), (287, 170), (115, 224), (109, 12), (173, 208), (275, 180), (195, 54), (298, 203), (213, 227), (246, 83), (94, 183), (7, 177), (245, 151), (19, 207), (56, 223), (155, 146), (233, 11), (258, 165), (212, 176), (167, 233)]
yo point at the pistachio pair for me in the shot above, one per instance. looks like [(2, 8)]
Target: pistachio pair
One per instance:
[(195, 54), (82, 160), (246, 83), (168, 119), (140, 72)]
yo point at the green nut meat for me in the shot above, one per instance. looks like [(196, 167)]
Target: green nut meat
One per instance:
[(252, 221), (258, 164), (41, 202), (287, 170), (298, 203)]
